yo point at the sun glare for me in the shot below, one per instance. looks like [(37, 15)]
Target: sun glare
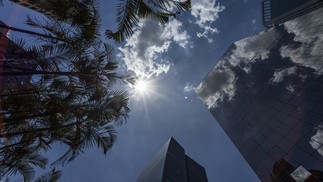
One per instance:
[(145, 91), (141, 86)]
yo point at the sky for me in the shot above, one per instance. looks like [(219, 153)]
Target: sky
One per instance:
[(174, 59)]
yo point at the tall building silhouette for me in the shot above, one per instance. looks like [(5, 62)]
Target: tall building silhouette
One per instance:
[(172, 165), (266, 92), (276, 12), (13, 58)]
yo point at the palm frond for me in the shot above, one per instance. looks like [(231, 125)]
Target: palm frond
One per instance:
[(145, 11), (23, 167), (67, 156), (38, 160), (129, 13), (127, 19), (106, 142), (51, 176)]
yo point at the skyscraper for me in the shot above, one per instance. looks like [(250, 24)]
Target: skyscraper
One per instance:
[(279, 11), (172, 165), (267, 94), (13, 58)]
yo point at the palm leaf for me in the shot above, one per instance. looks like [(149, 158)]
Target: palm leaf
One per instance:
[(21, 161), (145, 11), (25, 169), (126, 18), (106, 142), (51, 176), (67, 156), (129, 12), (37, 160)]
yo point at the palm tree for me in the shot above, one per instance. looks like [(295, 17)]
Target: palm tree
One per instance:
[(78, 125), (70, 98), (76, 109), (129, 12), (73, 24), (21, 162), (77, 38)]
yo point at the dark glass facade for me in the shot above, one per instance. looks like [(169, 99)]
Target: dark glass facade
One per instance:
[(172, 165), (13, 58), (280, 11), (267, 94)]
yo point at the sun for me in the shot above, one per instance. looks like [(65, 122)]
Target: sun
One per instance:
[(144, 92), (141, 86)]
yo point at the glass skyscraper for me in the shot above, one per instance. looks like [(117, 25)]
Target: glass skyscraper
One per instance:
[(279, 11), (267, 94), (13, 58), (172, 165)]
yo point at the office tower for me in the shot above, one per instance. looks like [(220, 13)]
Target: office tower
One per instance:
[(172, 165), (13, 58), (266, 92), (276, 12)]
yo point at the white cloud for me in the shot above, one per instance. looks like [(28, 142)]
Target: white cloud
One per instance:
[(317, 140), (206, 12), (189, 88), (300, 174), (290, 88), (308, 31), (143, 51), (250, 49), (280, 74), (217, 86)]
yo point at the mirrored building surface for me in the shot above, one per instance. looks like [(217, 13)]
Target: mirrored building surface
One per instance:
[(267, 94), (279, 11), (172, 165), (13, 60)]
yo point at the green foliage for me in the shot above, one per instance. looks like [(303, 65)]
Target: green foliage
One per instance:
[(22, 163), (68, 94), (129, 12), (74, 105), (51, 176)]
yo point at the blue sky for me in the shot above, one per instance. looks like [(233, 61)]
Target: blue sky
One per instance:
[(174, 58)]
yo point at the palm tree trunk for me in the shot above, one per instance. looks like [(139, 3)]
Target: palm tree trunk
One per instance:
[(36, 72), (4, 26), (20, 94), (8, 135)]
